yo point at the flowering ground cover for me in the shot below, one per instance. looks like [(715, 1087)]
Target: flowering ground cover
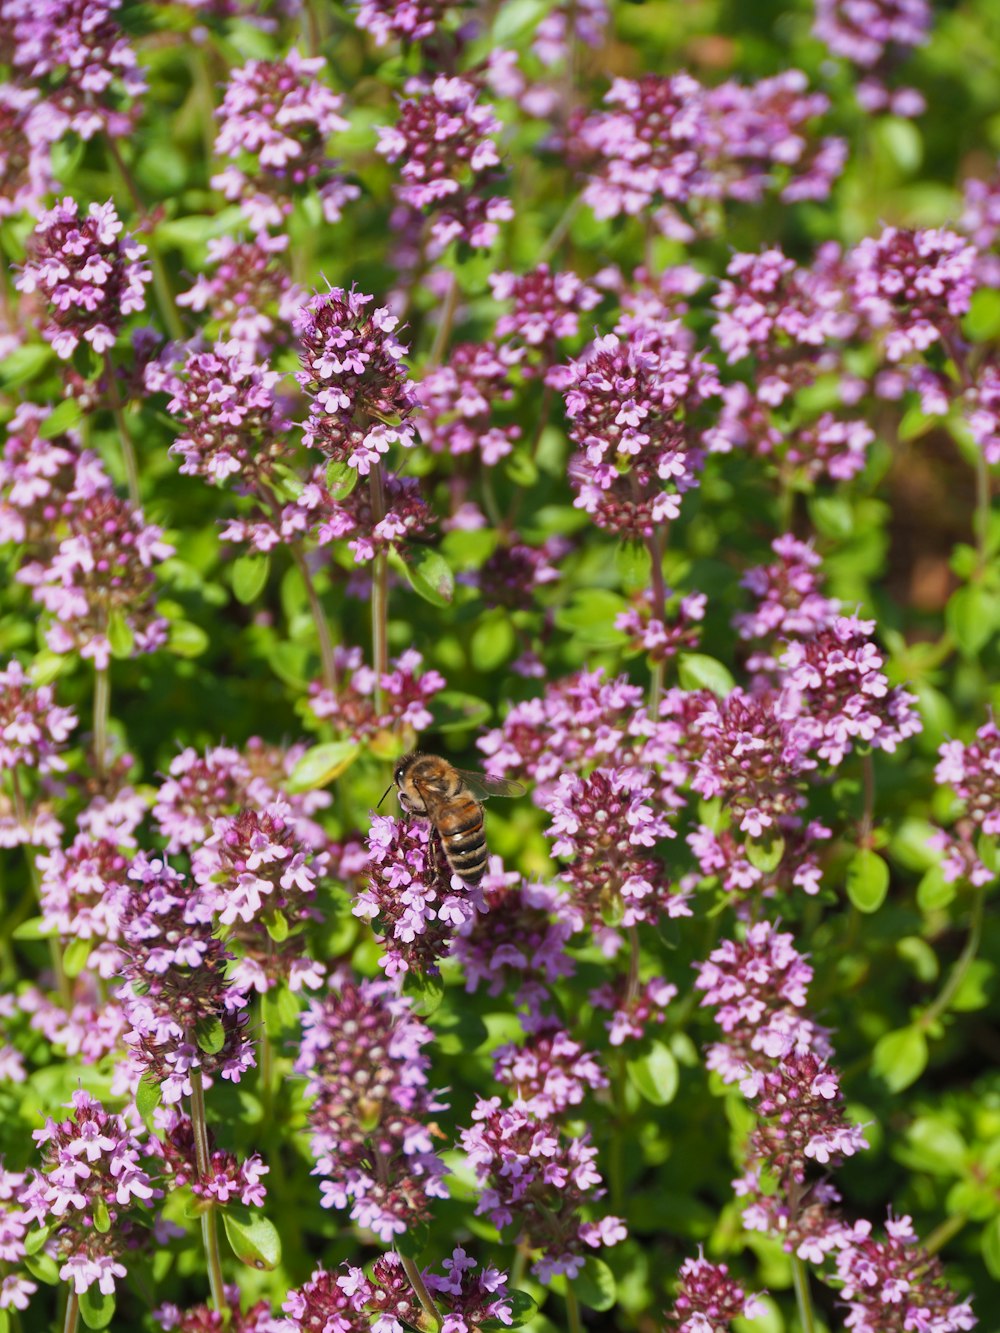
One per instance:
[(603, 396)]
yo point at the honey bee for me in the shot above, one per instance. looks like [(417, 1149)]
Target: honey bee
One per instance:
[(451, 800)]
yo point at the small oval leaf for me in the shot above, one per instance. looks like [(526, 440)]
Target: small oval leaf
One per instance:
[(867, 880), (655, 1074), (253, 1238), (322, 764), (249, 577)]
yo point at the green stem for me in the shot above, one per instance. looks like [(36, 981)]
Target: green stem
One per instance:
[(982, 519), (632, 984), (800, 1280), (102, 710), (72, 1318), (443, 332), (558, 233), (161, 283), (654, 545), (868, 802), (209, 1224), (965, 960), (326, 654), (942, 1234), (573, 1323), (420, 1289), (124, 434), (380, 589)]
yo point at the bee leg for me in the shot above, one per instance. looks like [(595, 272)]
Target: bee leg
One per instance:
[(435, 854)]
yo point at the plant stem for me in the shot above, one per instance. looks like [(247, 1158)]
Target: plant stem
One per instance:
[(266, 1073), (868, 804), (965, 960), (72, 1312), (573, 1323), (161, 283), (420, 1288), (102, 709), (326, 654), (124, 434), (800, 1280), (654, 545), (632, 984), (209, 1224), (557, 235), (982, 519), (443, 332), (380, 589)]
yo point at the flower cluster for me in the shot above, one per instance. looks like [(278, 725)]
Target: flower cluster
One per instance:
[(406, 21), (182, 1012), (547, 308), (444, 138), (226, 1179), (973, 770), (366, 1077), (893, 1285), (91, 1191), (90, 275), (41, 479), (535, 1180), (708, 1299), (25, 158), (246, 293), (76, 50), (407, 690), (83, 891), (549, 1072), (33, 727), (351, 371), (872, 34), (274, 123), (457, 402)]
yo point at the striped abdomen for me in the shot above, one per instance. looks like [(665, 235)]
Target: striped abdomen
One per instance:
[(460, 827)]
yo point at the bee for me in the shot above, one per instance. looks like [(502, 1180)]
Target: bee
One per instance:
[(451, 800)]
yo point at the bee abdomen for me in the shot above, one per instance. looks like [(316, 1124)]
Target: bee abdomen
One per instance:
[(465, 848)]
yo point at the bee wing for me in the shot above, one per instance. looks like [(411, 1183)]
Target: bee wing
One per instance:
[(484, 786)]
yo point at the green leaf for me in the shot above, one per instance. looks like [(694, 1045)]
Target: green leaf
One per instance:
[(991, 1247), (341, 479), (634, 564), (76, 956), (35, 1240), (934, 892), (249, 577), (281, 1010), (96, 1309), (102, 1218), (455, 711), (696, 671), (971, 615), (23, 364), (61, 419), (430, 576), (765, 854), (902, 142), (867, 880), (33, 929), (832, 515), (493, 640), (522, 1308), (186, 639), (322, 764), (590, 617), (983, 320), (43, 1267), (210, 1035), (148, 1096), (522, 469), (595, 1285), (413, 1241), (4, 1321), (253, 1238), (120, 636), (276, 925), (900, 1058), (655, 1075)]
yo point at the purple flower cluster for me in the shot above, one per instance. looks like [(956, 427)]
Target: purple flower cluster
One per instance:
[(366, 1077), (90, 275), (33, 727), (407, 690), (457, 403), (25, 157), (182, 1011), (444, 138), (91, 1192), (351, 372), (535, 1179), (708, 1299), (873, 34), (547, 309), (246, 293), (275, 121), (227, 1179), (549, 1072), (403, 20), (973, 770)]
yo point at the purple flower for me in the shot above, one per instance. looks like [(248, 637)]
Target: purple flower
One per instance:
[(444, 138), (549, 1071), (547, 308), (231, 423), (800, 1117), (606, 825), (632, 1015), (41, 480), (101, 571), (33, 727), (407, 691), (366, 1078), (275, 120), (257, 1318), (660, 639), (633, 411), (249, 296), (76, 50), (88, 273), (25, 156), (708, 1299), (351, 371), (402, 20), (315, 513), (16, 1288), (862, 30), (893, 1285), (227, 1179), (457, 403), (535, 1180), (468, 1298), (82, 893), (182, 1011), (915, 285), (330, 1303), (90, 1167)]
